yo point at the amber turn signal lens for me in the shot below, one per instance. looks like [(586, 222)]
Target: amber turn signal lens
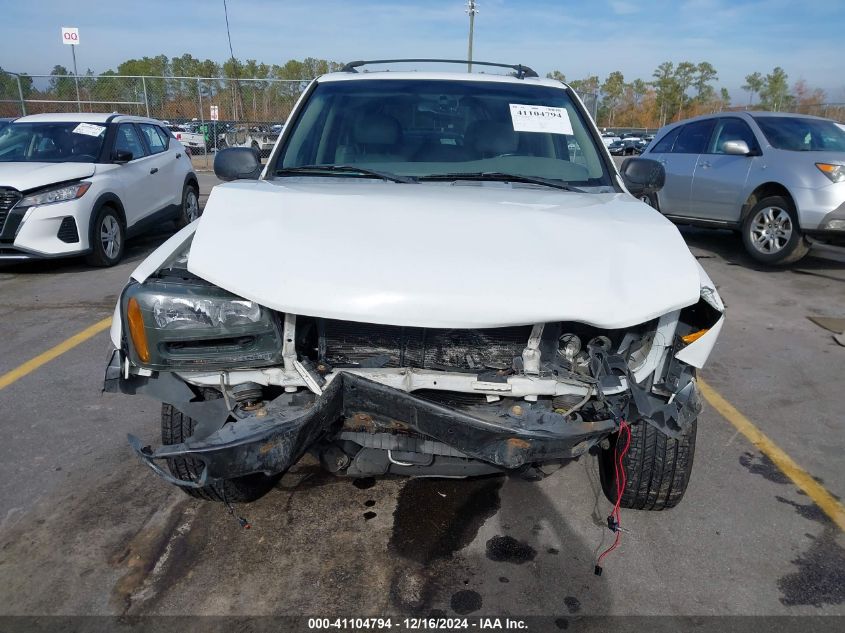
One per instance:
[(694, 336), (136, 330)]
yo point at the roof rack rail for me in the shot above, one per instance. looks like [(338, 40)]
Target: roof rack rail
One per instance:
[(521, 71)]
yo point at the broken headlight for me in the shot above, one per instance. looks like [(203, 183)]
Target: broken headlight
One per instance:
[(190, 325), (186, 313)]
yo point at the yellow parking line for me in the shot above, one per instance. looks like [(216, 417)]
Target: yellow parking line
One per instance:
[(54, 352), (800, 477)]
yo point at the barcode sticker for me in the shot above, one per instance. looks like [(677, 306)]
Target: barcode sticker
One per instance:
[(89, 129), (534, 118)]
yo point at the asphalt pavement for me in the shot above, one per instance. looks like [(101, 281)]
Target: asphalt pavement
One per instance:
[(86, 529)]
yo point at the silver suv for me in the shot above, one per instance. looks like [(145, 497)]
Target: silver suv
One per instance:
[(775, 177)]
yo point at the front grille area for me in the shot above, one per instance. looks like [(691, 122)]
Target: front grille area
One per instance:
[(8, 199), (350, 344), (67, 231)]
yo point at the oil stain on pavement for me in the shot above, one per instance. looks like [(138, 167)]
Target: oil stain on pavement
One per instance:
[(506, 549), (758, 464), (436, 517), (820, 575), (433, 520), (466, 602)]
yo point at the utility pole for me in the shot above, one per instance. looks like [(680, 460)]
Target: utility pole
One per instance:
[(471, 10)]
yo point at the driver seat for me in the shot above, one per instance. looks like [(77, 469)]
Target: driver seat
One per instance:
[(377, 138)]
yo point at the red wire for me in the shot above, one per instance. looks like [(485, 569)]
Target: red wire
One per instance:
[(621, 482)]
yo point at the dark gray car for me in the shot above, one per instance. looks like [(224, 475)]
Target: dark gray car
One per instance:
[(776, 177)]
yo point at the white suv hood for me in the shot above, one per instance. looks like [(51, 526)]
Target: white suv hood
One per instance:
[(24, 176), (442, 255)]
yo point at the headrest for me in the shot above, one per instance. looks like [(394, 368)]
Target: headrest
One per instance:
[(377, 129), (492, 137)]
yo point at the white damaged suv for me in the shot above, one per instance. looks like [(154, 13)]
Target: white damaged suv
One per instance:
[(424, 280), (80, 184)]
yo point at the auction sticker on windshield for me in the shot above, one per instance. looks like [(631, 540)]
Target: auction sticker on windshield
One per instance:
[(89, 129), (534, 118)]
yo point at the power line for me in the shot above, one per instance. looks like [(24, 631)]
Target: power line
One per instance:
[(234, 61)]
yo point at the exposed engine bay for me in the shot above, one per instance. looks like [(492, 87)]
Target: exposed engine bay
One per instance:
[(371, 399)]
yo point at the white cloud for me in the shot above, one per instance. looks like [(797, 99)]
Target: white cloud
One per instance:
[(620, 7)]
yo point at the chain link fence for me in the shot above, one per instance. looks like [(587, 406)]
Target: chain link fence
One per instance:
[(249, 112)]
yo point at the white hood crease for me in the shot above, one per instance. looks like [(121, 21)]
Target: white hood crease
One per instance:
[(441, 255)]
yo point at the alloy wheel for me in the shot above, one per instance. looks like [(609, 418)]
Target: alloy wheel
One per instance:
[(192, 206), (771, 229), (110, 236)]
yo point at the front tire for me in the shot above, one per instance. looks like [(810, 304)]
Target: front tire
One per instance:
[(108, 238), (657, 468), (190, 210), (175, 429), (771, 234)]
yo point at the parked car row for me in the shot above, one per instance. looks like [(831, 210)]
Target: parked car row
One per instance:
[(610, 138), (81, 184), (220, 134), (627, 146)]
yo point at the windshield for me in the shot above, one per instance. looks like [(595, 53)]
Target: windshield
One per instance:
[(803, 135), (51, 142), (445, 128)]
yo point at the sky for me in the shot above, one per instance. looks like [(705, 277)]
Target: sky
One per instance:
[(579, 38)]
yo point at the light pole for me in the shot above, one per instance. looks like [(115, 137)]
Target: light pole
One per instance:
[(471, 10)]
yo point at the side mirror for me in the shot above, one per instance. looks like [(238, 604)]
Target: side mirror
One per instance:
[(642, 176), (736, 148), (237, 163), (121, 156)]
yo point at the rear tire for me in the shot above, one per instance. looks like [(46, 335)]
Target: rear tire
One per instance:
[(771, 234), (176, 428), (108, 238), (658, 468)]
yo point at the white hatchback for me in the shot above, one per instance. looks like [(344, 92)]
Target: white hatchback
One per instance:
[(80, 184)]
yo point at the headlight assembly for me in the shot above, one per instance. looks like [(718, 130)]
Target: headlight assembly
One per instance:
[(190, 313), (191, 325), (51, 196), (835, 172)]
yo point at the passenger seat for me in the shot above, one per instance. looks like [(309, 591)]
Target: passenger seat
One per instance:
[(491, 138)]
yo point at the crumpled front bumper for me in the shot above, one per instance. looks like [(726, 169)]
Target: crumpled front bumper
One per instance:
[(271, 441)]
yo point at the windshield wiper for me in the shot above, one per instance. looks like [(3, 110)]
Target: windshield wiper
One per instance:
[(497, 176), (343, 169)]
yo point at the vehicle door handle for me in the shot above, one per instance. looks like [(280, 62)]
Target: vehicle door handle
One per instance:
[(704, 163), (154, 170)]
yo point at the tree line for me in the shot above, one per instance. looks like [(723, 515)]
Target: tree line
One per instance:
[(687, 89), (251, 90)]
